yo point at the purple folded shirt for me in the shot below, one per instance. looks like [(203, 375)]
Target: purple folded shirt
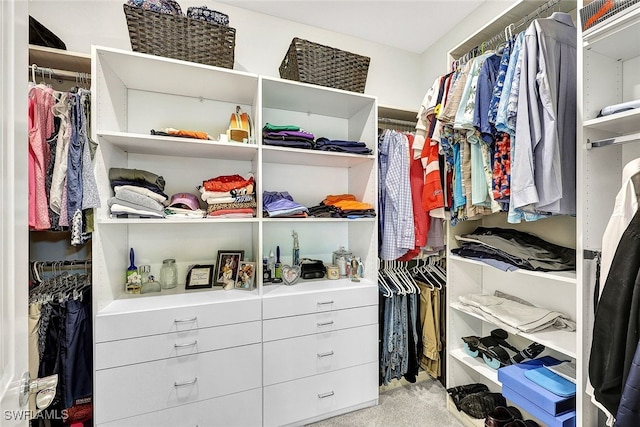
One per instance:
[(288, 133)]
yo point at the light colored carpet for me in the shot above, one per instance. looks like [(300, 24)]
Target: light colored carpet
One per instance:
[(423, 404)]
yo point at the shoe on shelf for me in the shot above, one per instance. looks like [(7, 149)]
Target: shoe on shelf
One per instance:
[(492, 351), (479, 405), (502, 416), (521, 423), (461, 391)]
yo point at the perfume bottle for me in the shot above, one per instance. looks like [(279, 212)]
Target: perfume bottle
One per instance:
[(296, 249)]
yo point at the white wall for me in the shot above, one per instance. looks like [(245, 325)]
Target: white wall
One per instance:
[(261, 42)]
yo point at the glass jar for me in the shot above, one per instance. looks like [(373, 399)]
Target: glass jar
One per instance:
[(168, 274), (341, 258)]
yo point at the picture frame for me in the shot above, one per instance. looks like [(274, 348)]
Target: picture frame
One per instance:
[(226, 270), (200, 276), (246, 277)]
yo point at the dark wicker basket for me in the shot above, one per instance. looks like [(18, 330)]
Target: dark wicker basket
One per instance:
[(310, 62), (179, 37)]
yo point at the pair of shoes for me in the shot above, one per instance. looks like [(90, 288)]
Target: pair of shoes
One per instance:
[(493, 353), (460, 392), (502, 416), (239, 127), (479, 405), (522, 423)]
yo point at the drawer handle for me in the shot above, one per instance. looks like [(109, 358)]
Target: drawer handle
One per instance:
[(191, 344), (325, 302), (323, 395), (328, 353), (193, 319), (192, 382), (325, 323)]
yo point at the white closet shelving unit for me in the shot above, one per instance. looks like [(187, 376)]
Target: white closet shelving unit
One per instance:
[(609, 73), (561, 291), (277, 355)]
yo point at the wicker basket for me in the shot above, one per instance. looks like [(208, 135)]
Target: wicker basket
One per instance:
[(310, 62), (179, 37)]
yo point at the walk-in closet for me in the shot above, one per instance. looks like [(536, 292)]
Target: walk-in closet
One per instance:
[(236, 213)]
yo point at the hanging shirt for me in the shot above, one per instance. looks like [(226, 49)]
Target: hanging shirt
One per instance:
[(397, 219), (624, 209), (543, 171)]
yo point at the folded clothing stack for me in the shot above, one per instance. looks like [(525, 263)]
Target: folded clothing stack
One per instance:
[(138, 194), (286, 136), (342, 206), (353, 147), (508, 249), (281, 204), (229, 196)]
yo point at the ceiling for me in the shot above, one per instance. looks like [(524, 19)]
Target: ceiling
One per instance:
[(392, 22)]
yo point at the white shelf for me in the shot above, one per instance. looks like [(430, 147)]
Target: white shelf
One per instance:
[(179, 147), (555, 339), (618, 124), (171, 76), (312, 99), (181, 221), (298, 156), (477, 364), (314, 286), (560, 276), (316, 220)]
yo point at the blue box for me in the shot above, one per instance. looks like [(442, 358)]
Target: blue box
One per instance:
[(512, 376), (568, 419)]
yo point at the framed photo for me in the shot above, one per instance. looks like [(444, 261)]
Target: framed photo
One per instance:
[(227, 268), (246, 276), (200, 276)]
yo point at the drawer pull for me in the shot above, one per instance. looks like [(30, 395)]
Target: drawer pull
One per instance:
[(191, 320), (192, 382), (323, 395), (191, 344), (325, 302), (325, 323), (328, 353)]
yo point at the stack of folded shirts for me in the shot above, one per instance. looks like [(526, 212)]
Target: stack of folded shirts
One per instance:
[(286, 136), (229, 196), (343, 206), (353, 147), (281, 204), (138, 194)]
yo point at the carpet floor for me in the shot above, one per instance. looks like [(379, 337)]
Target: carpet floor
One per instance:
[(423, 404)]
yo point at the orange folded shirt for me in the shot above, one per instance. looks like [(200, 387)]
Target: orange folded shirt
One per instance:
[(331, 200), (349, 205)]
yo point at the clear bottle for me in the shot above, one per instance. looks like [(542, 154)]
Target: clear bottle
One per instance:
[(168, 274)]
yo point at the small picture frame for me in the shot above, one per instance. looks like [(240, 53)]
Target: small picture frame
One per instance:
[(200, 276), (246, 276), (227, 268)]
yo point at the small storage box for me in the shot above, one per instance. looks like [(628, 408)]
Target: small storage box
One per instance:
[(568, 419), (513, 377), (310, 62), (179, 37)]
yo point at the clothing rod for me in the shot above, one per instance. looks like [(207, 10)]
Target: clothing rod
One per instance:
[(612, 141), (54, 73), (62, 263), (396, 121), (498, 38)]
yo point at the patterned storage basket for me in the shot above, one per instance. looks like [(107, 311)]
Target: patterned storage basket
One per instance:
[(314, 63), (179, 37)]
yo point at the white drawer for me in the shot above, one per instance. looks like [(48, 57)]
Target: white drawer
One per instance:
[(295, 326), (146, 387), (138, 323), (176, 344), (294, 358), (274, 306), (236, 410), (296, 401)]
